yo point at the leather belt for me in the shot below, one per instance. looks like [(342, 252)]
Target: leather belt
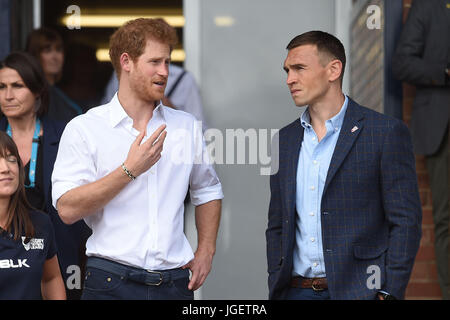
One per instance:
[(147, 277), (317, 284)]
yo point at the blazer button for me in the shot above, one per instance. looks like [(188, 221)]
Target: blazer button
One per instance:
[(325, 212)]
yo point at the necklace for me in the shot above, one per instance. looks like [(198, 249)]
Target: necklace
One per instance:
[(34, 150)]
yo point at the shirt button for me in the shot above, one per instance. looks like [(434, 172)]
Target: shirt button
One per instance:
[(311, 214), (313, 139), (315, 264), (312, 239), (315, 162), (312, 188)]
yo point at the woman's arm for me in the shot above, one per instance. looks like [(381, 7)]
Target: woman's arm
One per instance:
[(52, 285)]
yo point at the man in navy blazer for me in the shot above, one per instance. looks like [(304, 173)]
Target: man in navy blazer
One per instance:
[(344, 214)]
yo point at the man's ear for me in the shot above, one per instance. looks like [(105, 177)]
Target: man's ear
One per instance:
[(125, 62), (335, 70)]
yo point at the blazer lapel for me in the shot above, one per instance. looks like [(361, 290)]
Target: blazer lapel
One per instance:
[(351, 128), (3, 122), (50, 149), (293, 145)]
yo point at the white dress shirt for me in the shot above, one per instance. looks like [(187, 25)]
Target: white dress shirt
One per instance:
[(143, 225)]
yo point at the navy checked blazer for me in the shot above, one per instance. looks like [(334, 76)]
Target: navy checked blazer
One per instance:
[(370, 209)]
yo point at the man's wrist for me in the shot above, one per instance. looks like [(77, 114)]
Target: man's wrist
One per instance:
[(206, 250), (128, 172), (386, 296)]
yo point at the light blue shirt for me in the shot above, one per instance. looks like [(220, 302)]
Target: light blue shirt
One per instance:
[(313, 164)]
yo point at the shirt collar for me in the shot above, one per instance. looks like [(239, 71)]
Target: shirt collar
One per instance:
[(118, 114), (159, 110), (336, 121), (305, 119)]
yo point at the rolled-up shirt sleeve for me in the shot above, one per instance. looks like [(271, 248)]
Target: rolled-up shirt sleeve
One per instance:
[(74, 165), (204, 182)]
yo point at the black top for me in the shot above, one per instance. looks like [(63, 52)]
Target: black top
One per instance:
[(36, 195), (22, 262)]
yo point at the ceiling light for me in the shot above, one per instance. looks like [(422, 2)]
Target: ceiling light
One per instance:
[(178, 55), (224, 21), (112, 21)]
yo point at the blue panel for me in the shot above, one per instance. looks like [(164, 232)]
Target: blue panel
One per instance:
[(392, 88)]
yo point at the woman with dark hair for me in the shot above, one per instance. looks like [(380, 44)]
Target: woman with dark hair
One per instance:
[(46, 46), (29, 266), (23, 103)]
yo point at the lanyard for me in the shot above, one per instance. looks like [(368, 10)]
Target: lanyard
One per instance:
[(34, 150)]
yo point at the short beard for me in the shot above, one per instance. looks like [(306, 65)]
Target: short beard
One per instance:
[(138, 86)]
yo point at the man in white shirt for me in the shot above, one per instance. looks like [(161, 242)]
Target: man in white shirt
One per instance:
[(112, 172)]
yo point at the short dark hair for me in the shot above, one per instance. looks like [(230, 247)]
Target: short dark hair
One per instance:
[(325, 43), (32, 75)]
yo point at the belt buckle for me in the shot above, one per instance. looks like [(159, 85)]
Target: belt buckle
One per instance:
[(160, 278), (313, 286)]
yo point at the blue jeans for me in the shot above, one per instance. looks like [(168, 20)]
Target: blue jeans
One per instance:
[(307, 294), (103, 285)]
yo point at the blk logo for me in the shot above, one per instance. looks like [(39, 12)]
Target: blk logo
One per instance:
[(9, 264)]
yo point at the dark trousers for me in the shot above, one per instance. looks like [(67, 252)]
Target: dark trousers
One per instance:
[(102, 284), (438, 171), (307, 294)]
